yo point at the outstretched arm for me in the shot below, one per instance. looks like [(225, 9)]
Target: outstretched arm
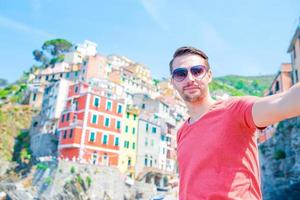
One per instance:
[(272, 109)]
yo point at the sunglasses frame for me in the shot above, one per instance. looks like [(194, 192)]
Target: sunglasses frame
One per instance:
[(189, 70)]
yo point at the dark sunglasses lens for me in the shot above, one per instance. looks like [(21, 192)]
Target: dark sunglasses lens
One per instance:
[(198, 71), (179, 74)]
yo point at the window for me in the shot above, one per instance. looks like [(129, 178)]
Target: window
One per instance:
[(143, 106), (96, 101), (133, 145), (47, 77), (94, 119), (146, 141), (104, 139), (108, 105), (65, 134), (146, 161), (68, 75), (129, 162), (133, 131), (134, 117), (153, 129), (106, 122), (119, 108), (126, 144), (92, 137), (118, 124), (76, 89), (126, 129), (68, 117), (127, 115), (71, 133), (147, 127), (34, 97), (62, 118), (116, 143), (76, 73), (277, 86)]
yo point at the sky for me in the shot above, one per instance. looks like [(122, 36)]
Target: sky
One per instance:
[(239, 37)]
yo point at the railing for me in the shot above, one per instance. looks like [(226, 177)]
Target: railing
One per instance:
[(76, 123)]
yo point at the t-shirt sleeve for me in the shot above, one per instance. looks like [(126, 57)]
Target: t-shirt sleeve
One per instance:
[(242, 111)]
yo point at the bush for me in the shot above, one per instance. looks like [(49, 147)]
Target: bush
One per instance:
[(79, 179), (48, 180), (279, 154), (89, 181), (41, 166), (72, 170)]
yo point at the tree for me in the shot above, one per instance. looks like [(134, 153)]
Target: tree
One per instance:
[(57, 47), (39, 56), (52, 51)]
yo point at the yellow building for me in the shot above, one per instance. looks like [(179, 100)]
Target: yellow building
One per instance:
[(128, 147)]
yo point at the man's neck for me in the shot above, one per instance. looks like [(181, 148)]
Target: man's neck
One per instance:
[(198, 109)]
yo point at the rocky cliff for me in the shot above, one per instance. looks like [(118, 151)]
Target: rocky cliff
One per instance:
[(280, 162)]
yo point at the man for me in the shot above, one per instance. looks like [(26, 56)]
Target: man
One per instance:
[(217, 150)]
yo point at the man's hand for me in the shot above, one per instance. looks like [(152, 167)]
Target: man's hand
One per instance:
[(272, 109)]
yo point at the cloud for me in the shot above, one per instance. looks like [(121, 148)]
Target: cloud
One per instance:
[(152, 8), (18, 26)]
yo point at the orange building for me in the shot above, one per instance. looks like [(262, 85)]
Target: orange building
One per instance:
[(282, 81), (90, 126)]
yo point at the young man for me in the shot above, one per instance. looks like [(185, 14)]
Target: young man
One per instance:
[(217, 150)]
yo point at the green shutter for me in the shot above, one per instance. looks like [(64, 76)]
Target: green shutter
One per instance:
[(94, 120)]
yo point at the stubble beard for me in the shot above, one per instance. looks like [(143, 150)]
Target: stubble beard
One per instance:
[(195, 98)]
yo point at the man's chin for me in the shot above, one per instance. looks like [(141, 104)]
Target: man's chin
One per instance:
[(192, 98)]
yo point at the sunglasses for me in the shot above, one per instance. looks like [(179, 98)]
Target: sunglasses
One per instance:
[(181, 73)]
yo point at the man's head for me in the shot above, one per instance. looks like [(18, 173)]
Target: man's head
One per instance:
[(190, 73)]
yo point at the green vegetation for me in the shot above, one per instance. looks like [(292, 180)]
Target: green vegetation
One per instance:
[(79, 179), (22, 152), (52, 52), (243, 85), (279, 154), (89, 181), (48, 180), (14, 139), (42, 166), (72, 170), (13, 93)]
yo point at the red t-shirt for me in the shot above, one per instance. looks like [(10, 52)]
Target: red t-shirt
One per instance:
[(218, 155)]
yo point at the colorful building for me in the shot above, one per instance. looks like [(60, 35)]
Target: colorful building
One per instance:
[(282, 81), (294, 50), (90, 126), (44, 126), (128, 148)]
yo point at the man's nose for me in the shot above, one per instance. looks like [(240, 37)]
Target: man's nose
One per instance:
[(190, 77)]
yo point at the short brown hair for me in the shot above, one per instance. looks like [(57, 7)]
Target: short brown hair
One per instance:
[(188, 50)]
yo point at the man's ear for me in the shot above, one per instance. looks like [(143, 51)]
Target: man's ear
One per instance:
[(209, 75)]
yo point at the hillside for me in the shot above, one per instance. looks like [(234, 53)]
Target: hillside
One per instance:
[(14, 120), (241, 85)]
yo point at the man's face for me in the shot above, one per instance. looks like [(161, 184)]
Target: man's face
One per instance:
[(191, 89)]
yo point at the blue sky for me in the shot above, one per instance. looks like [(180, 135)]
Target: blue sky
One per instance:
[(240, 37)]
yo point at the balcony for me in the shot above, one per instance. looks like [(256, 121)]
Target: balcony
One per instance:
[(76, 123)]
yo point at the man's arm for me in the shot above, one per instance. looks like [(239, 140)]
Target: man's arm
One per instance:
[(272, 109)]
